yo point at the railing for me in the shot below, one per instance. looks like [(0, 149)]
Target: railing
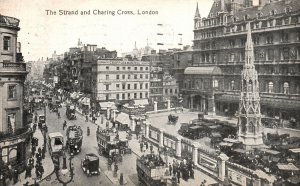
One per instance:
[(10, 66), (18, 133)]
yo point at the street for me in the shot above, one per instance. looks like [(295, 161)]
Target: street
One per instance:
[(89, 145)]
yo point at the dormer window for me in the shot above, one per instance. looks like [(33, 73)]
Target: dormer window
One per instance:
[(235, 19), (273, 12), (288, 10), (259, 15), (211, 15), (246, 17)]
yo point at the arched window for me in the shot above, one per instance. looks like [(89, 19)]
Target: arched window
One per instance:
[(270, 87), (251, 127), (286, 88), (215, 83)]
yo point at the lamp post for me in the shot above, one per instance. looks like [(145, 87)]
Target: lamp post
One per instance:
[(64, 170)]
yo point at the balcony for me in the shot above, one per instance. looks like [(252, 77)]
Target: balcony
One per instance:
[(12, 67), (15, 135)]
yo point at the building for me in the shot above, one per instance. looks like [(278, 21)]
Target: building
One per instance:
[(170, 87), (219, 42), (117, 79), (14, 133)]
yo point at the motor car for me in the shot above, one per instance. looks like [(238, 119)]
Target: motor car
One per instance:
[(90, 164)]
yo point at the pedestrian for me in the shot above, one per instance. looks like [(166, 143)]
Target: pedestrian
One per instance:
[(203, 183), (28, 171), (41, 170), (33, 148), (146, 145), (151, 148), (15, 176), (178, 176), (58, 115), (192, 174), (170, 169), (86, 118), (107, 124), (141, 146), (64, 125), (43, 152), (88, 131), (34, 127)]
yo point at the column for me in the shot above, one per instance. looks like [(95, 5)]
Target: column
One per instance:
[(155, 106), (114, 115), (192, 102), (211, 105), (147, 130), (107, 113), (161, 138), (195, 153), (169, 105), (132, 121), (178, 146), (222, 158)]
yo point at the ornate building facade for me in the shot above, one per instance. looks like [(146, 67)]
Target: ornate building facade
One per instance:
[(219, 41), (14, 138)]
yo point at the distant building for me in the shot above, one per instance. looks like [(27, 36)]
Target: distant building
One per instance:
[(116, 79), (14, 133)]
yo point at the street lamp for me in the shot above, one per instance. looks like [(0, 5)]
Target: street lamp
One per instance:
[(64, 170)]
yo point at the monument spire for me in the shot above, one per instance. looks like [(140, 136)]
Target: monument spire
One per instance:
[(249, 121)]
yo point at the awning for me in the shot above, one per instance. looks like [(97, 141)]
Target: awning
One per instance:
[(141, 102), (274, 152), (289, 167), (230, 140), (123, 118), (105, 105), (262, 174), (226, 144), (297, 150), (203, 70)]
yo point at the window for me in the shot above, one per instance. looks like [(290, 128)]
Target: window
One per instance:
[(107, 67), (128, 96), (135, 76), (118, 76), (141, 95), (107, 77), (146, 76), (284, 37), (146, 86), (123, 76), (232, 85), (124, 68), (269, 39), (146, 94), (11, 121), (6, 43), (215, 84), (12, 91), (128, 86), (270, 54), (256, 40), (146, 68), (128, 68), (270, 87), (117, 86), (135, 86), (141, 76), (123, 86), (273, 12), (107, 87), (166, 91), (171, 91), (286, 52), (117, 96), (107, 97), (141, 68), (231, 43), (135, 68), (141, 86), (287, 10), (134, 95), (118, 68), (286, 88), (123, 96), (259, 15), (128, 76), (175, 91)]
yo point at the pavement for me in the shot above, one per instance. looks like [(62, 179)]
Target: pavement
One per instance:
[(47, 162)]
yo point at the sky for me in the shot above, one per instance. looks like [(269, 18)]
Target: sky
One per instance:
[(42, 34)]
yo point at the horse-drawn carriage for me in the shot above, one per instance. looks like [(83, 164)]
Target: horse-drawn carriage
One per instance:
[(172, 119)]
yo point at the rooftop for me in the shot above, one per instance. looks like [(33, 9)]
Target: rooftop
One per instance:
[(9, 22)]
